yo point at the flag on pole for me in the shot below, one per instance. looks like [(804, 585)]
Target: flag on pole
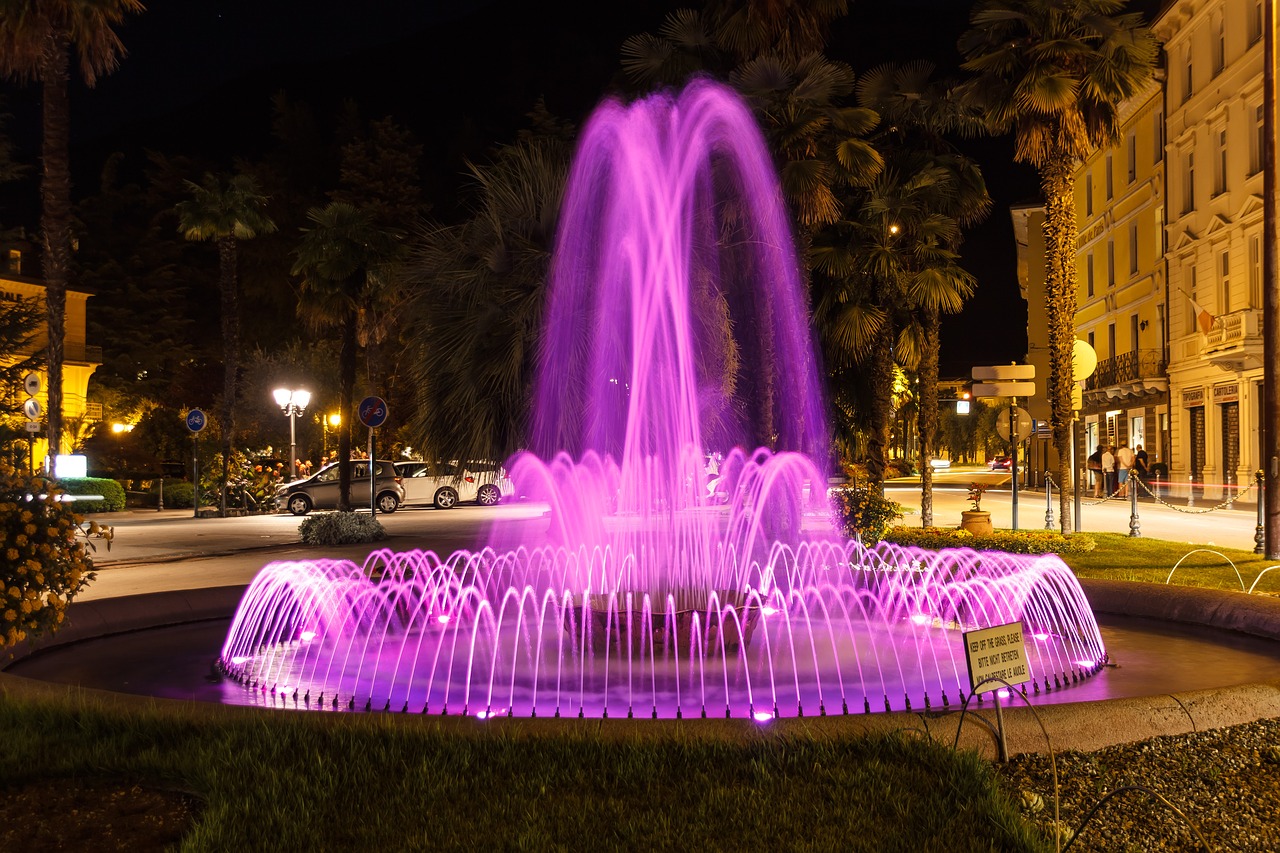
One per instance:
[(1203, 318)]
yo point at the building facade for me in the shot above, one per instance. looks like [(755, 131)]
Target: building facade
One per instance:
[(80, 359), (1121, 297), (1213, 155)]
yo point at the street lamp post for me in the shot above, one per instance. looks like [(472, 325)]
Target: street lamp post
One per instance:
[(1271, 295), (292, 403)]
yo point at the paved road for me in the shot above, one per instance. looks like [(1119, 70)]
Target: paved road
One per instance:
[(171, 550)]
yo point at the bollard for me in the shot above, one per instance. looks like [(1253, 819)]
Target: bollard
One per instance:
[(1135, 528), (1259, 532), (1191, 490), (160, 505), (1048, 502)]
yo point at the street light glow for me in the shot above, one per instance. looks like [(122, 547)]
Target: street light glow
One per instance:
[(292, 402)]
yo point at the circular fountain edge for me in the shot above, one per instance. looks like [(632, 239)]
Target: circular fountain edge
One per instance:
[(1081, 725)]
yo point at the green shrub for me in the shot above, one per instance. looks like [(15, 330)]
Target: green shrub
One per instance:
[(341, 528), (178, 494), (899, 468), (44, 555), (112, 493), (864, 514), (1012, 541)]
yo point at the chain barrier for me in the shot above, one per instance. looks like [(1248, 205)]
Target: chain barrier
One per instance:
[(1223, 505)]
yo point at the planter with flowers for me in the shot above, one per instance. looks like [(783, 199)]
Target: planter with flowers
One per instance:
[(976, 520)]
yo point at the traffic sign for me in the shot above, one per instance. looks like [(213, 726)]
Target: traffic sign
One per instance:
[(1021, 419), (196, 420), (1005, 372), (33, 426), (1003, 389), (31, 383), (31, 408), (373, 411)]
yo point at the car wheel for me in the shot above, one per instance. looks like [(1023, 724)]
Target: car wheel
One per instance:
[(299, 504), (446, 498), (388, 502), (488, 495)]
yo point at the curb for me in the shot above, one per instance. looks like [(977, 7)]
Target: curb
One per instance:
[(1084, 726)]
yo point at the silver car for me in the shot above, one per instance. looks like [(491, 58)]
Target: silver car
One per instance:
[(320, 490), (486, 483)]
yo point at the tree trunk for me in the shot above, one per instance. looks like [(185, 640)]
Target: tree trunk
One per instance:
[(1060, 296), (55, 191), (230, 353), (347, 374), (927, 418), (881, 366)]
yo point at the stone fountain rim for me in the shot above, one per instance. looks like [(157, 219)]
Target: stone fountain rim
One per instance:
[(1080, 725)]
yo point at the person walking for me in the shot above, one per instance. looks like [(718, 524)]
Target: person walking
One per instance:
[(1124, 464), (1141, 469), (1094, 466), (1108, 471)]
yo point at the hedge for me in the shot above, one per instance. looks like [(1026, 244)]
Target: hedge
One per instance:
[(112, 493)]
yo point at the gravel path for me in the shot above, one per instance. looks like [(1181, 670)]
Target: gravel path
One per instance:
[(1226, 781)]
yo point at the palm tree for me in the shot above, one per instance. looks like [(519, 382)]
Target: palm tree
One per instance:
[(36, 38), (346, 261), (1053, 73), (919, 112), (479, 290), (226, 212)]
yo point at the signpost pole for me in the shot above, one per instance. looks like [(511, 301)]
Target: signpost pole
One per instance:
[(373, 413), (195, 465), (373, 487), (1013, 454), (1002, 742)]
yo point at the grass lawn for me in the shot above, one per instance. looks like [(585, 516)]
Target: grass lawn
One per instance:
[(1119, 557), (279, 781)]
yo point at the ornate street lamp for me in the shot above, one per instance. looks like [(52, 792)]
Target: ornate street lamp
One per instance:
[(292, 403)]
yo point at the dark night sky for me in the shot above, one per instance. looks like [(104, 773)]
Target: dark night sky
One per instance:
[(200, 74)]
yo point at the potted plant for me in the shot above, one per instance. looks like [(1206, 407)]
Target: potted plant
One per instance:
[(975, 520)]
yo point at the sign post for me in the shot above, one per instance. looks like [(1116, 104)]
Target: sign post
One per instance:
[(1012, 381), (373, 414), (998, 653), (195, 422), (31, 408)]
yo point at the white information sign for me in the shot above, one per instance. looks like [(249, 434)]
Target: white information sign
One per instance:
[(996, 652)]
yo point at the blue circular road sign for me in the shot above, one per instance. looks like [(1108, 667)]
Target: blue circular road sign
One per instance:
[(373, 411), (195, 420)]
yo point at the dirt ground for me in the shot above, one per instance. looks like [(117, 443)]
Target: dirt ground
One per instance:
[(77, 815)]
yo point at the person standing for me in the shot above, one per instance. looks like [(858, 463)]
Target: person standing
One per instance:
[(1094, 465), (1108, 471), (1124, 464), (1140, 468)]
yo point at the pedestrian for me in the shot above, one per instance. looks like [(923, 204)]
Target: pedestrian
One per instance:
[(1108, 471), (1094, 466), (1124, 464), (1141, 470)]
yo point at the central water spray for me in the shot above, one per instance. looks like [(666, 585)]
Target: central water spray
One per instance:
[(679, 574)]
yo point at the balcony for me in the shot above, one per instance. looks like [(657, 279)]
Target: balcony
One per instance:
[(1131, 374), (1235, 341)]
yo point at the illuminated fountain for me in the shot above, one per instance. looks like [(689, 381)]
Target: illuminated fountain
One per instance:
[(676, 325)]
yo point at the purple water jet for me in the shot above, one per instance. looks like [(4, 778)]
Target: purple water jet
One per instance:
[(676, 333)]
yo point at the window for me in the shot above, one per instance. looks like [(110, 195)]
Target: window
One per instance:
[(1131, 155), (1189, 182), (1190, 276), (1257, 143), (1157, 133), (1255, 22), (1111, 340), (1133, 332), (1224, 282), (1133, 248), (1110, 182), (1088, 266), (1188, 70), (1219, 47), (1255, 270), (1111, 263), (1220, 161), (1088, 195)]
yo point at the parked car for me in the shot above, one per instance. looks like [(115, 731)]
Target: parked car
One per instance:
[(486, 483), (1000, 463), (320, 490)]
